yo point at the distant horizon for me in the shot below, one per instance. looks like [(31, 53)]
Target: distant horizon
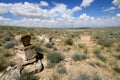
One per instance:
[(60, 13), (62, 27)]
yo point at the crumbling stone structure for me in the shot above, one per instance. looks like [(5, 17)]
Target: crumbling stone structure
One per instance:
[(26, 55), (26, 59)]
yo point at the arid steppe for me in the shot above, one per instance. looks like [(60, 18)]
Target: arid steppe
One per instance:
[(68, 54)]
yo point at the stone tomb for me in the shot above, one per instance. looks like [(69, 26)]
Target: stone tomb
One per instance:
[(26, 57), (85, 39)]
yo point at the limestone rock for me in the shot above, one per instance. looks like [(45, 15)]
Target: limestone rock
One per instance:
[(45, 63), (30, 52), (11, 75), (18, 38), (45, 79), (20, 57), (68, 59), (47, 40), (36, 67)]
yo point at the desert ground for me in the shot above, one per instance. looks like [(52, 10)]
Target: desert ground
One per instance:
[(68, 54)]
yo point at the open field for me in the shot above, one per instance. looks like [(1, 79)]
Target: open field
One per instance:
[(85, 54)]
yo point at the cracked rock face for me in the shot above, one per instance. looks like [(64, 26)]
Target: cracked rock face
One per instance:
[(25, 58), (11, 75), (28, 54), (34, 68)]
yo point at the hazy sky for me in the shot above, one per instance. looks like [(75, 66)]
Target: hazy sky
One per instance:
[(60, 13)]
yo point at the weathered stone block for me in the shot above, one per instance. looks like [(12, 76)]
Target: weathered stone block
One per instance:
[(30, 52)]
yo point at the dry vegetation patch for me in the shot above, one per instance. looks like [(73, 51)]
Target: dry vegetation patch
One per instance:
[(98, 60)]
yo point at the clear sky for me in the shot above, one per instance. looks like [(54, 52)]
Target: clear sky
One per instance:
[(60, 13)]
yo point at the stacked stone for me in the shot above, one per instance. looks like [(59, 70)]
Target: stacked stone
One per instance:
[(25, 58), (27, 55)]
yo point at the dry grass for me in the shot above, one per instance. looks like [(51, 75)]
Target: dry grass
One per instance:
[(105, 43)]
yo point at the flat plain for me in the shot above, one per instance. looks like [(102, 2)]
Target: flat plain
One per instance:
[(82, 54)]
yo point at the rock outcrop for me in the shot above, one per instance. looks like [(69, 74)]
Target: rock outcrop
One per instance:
[(26, 57), (12, 74)]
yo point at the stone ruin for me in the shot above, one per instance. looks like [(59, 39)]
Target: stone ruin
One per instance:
[(85, 38), (27, 59)]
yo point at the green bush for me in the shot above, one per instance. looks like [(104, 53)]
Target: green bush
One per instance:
[(49, 45), (92, 64), (118, 48), (67, 49), (96, 51), (50, 65), (10, 44), (85, 50), (81, 45), (61, 69), (7, 38), (7, 54), (117, 69), (27, 76), (99, 55), (69, 41), (79, 57), (3, 64), (11, 63), (55, 77), (105, 40), (118, 56), (82, 76), (55, 57), (97, 77), (38, 48), (55, 48)]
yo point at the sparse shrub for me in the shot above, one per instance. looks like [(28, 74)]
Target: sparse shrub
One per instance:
[(38, 48), (7, 54), (55, 57), (55, 48), (49, 45), (81, 45), (99, 55), (97, 77), (92, 64), (79, 57), (117, 69), (3, 64), (84, 56), (7, 38), (97, 51), (69, 41), (98, 64), (55, 76), (10, 44), (67, 49), (11, 63), (118, 48), (85, 50), (61, 69), (118, 56), (72, 35), (105, 40), (82, 76), (50, 65), (76, 57), (27, 76)]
